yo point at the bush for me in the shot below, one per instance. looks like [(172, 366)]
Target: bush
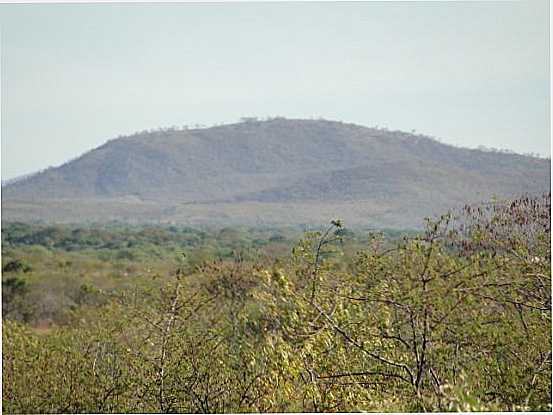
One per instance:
[(16, 265), (457, 317)]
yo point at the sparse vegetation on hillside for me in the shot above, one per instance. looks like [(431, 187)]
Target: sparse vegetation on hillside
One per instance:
[(272, 172)]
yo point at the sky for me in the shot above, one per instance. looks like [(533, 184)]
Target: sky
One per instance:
[(76, 75)]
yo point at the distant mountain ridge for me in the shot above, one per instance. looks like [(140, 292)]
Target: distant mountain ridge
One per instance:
[(272, 172)]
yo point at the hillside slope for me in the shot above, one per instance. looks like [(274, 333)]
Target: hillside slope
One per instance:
[(272, 172)]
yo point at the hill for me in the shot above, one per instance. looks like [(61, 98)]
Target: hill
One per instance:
[(271, 172)]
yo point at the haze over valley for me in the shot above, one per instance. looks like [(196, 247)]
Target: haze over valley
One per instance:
[(273, 172)]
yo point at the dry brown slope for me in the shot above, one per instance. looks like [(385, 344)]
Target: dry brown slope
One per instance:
[(272, 172)]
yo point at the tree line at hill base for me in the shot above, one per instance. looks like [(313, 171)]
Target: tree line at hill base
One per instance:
[(457, 317)]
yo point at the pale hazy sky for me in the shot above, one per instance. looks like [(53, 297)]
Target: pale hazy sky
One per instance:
[(76, 75)]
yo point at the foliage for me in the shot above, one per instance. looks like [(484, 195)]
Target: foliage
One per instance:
[(457, 317)]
